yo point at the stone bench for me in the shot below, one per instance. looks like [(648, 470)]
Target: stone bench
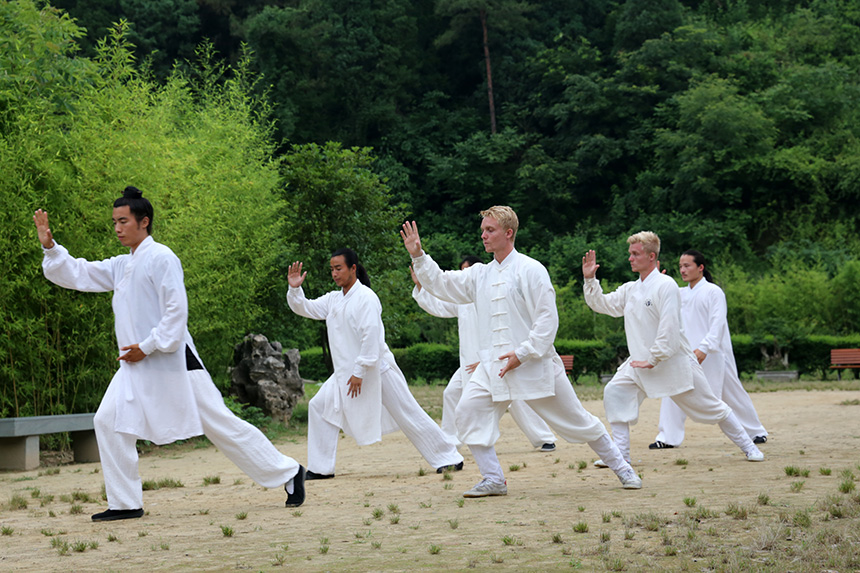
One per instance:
[(777, 375), (19, 439)]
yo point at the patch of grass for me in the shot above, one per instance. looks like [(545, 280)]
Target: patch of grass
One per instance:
[(112, 538), (377, 513), (846, 486), (242, 515), (142, 533), (797, 486), (296, 513), (854, 402), (824, 471), (446, 476), (425, 504), (448, 486), (454, 523), (581, 508), (17, 501), (60, 544), (737, 511), (76, 509), (690, 501), (393, 508), (460, 502), (580, 527), (607, 517), (802, 519), (49, 472), (36, 493), (211, 480), (681, 462), (514, 467), (238, 481), (629, 534), (605, 536), (581, 465), (422, 472), (7, 530), (763, 499), (511, 540), (556, 538), (227, 531), (394, 519), (434, 549), (45, 500), (496, 558), (149, 485), (376, 544)]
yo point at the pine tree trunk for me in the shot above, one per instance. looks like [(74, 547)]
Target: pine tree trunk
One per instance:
[(489, 73)]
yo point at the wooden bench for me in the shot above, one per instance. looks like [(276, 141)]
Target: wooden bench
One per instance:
[(19, 439), (567, 360), (844, 358)]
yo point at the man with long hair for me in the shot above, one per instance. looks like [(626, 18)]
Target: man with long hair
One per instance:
[(367, 395)]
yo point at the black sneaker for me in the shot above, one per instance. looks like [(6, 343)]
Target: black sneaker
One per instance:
[(297, 498), (759, 439), (309, 475), (547, 448), (114, 514), (658, 445), (451, 468)]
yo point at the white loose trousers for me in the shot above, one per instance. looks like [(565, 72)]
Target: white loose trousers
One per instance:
[(401, 405), (535, 429), (241, 442), (477, 415)]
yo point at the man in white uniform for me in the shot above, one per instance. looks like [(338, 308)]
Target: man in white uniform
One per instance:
[(703, 313), (517, 321), (367, 395), (661, 362), (161, 391), (538, 433)]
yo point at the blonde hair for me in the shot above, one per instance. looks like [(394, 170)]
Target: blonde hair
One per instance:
[(505, 216), (650, 241)]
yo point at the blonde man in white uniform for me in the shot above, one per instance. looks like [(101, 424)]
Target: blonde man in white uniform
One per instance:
[(661, 362), (517, 321), (538, 433), (367, 395), (703, 312), (161, 391)]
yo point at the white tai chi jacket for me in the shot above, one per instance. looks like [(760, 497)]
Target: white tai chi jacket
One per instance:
[(356, 337), (516, 311), (155, 401), (467, 324), (652, 322), (705, 323)]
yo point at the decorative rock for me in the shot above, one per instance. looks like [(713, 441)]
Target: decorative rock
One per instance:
[(267, 377)]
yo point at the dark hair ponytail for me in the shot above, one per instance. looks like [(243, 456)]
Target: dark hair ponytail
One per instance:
[(471, 259), (351, 259), (139, 205), (699, 259)]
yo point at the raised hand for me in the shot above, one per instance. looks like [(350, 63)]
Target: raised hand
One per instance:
[(45, 237), (411, 240), (589, 265), (295, 276)]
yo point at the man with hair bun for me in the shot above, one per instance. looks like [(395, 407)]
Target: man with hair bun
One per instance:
[(367, 395), (703, 313), (517, 322), (161, 391), (661, 362)]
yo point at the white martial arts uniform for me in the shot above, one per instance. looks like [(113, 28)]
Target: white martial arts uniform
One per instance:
[(357, 341), (652, 322), (535, 429), (703, 313), (157, 398), (516, 311)]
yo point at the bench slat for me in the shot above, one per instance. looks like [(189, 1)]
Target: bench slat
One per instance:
[(37, 425)]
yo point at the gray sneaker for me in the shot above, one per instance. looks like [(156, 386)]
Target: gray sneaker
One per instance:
[(629, 480), (487, 488)]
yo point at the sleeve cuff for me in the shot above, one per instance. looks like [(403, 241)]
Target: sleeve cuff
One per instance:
[(148, 345), (359, 371)]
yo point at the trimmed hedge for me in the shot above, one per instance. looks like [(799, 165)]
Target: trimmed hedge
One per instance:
[(427, 361)]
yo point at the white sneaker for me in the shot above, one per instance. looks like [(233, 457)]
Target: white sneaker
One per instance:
[(755, 455), (487, 488), (629, 480)]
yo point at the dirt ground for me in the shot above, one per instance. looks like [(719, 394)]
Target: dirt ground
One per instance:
[(380, 513)]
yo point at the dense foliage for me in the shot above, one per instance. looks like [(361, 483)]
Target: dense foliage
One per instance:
[(270, 131)]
